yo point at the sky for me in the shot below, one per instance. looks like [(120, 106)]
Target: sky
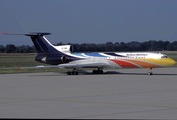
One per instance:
[(89, 21)]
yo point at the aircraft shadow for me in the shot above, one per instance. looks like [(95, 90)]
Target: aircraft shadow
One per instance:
[(118, 73), (105, 73)]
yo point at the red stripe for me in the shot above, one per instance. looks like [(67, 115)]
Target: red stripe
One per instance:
[(125, 64)]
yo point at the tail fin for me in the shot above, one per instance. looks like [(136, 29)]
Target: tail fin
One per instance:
[(41, 44)]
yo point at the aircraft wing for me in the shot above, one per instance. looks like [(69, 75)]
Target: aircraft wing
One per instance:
[(80, 65)]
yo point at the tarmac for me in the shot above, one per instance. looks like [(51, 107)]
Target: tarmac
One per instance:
[(117, 94)]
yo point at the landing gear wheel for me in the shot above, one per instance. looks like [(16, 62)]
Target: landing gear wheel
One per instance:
[(68, 73), (150, 73), (97, 71), (72, 73), (100, 71), (94, 71)]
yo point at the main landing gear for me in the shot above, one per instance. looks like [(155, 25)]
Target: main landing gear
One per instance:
[(99, 71), (74, 72), (150, 73)]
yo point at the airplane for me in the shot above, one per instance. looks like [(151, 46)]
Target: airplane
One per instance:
[(64, 57)]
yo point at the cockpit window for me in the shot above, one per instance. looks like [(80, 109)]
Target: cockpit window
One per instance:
[(164, 57)]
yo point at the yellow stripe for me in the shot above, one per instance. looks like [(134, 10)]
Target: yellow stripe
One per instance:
[(152, 63), (144, 64), (161, 61)]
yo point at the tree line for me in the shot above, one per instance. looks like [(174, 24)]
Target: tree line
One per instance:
[(151, 45)]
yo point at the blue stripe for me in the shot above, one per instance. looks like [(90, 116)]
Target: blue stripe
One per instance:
[(78, 54), (94, 54)]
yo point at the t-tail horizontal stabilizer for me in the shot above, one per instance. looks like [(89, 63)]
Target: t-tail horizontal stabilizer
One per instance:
[(29, 34)]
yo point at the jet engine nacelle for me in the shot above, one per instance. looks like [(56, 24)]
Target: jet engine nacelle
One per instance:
[(64, 59), (65, 48), (53, 59)]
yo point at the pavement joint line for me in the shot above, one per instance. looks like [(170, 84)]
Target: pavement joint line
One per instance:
[(31, 99)]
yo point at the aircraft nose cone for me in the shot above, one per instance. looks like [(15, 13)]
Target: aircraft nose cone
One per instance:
[(171, 62)]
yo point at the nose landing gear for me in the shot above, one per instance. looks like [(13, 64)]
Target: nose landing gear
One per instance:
[(150, 73)]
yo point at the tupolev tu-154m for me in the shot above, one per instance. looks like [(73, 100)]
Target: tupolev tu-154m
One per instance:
[(63, 57)]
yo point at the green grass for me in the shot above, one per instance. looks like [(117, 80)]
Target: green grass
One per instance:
[(10, 61), (17, 60)]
